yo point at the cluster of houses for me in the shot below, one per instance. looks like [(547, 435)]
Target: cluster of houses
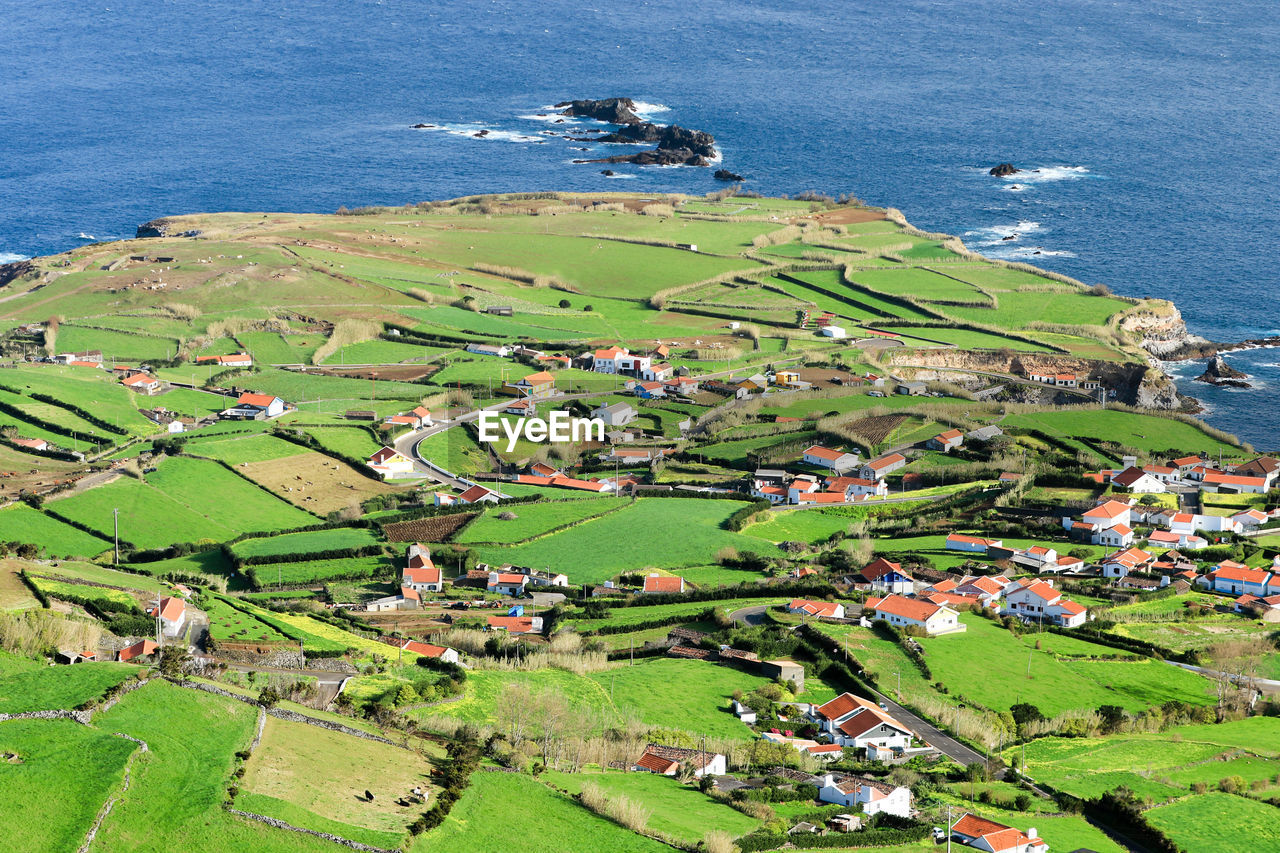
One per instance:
[(1111, 523), (1255, 477)]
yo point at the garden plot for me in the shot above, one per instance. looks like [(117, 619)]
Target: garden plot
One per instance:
[(314, 481)]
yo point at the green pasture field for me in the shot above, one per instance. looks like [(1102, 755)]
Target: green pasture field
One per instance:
[(309, 542), (1054, 686), (535, 519), (67, 771), (1149, 433), (481, 701), (188, 402), (125, 346), (641, 613), (460, 322), (679, 810), (736, 452), (963, 338), (637, 639), (315, 571), (456, 451), (382, 352), (24, 429), (919, 283), (92, 390), (243, 448), (551, 493), (296, 387), (175, 800), (212, 563), (56, 415), (227, 624), (275, 348), (21, 523), (350, 441), (866, 306), (817, 525), (1017, 310), (1218, 823), (290, 774), (636, 540), (96, 594), (551, 822), (321, 637), (674, 693), (43, 688), (225, 497)]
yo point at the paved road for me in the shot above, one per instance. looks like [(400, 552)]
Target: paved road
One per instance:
[(1266, 685), (753, 615)]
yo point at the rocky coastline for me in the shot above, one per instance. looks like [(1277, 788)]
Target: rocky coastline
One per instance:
[(675, 145)]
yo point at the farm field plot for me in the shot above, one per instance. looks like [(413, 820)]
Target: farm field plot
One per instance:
[(111, 598), (735, 453), (293, 766), (964, 338), (1197, 823), (884, 660), (125, 346), (46, 688), (189, 402), (91, 390), (148, 517), (431, 529), (578, 552), (309, 542), (455, 451), (314, 482), (275, 348), (228, 624), (920, 283), (14, 594), (176, 795), (235, 503), (1017, 310), (64, 774), (618, 616), (1054, 685), (57, 415), (482, 699), (1144, 432), (690, 695), (382, 352), (250, 447), (679, 809), (935, 548), (298, 387), (313, 571), (21, 523), (536, 519), (552, 822), (816, 525), (349, 441)]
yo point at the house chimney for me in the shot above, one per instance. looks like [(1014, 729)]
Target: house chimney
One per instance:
[(1031, 833), (828, 780)]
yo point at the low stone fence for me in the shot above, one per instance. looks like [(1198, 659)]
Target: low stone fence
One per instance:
[(81, 717), (336, 839)]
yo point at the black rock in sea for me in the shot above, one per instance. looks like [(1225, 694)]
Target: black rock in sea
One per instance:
[(726, 175), (1004, 170)]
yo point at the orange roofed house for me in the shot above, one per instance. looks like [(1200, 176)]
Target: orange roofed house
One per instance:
[(852, 721), (255, 407), (663, 585), (902, 612), (667, 761), (172, 613), (982, 834)]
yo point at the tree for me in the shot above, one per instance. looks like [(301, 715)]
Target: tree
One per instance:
[(564, 303), (174, 661), (1025, 712), (1112, 718), (268, 697)]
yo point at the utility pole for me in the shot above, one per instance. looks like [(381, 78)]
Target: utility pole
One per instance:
[(115, 514)]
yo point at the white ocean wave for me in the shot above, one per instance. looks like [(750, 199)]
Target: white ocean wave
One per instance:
[(10, 257), (645, 110), (84, 236), (1008, 252), (996, 235), (479, 131), (1047, 174), (618, 176)]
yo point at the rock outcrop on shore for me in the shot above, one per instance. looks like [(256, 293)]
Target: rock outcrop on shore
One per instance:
[(676, 146), (1004, 170), (611, 110), (1218, 372)]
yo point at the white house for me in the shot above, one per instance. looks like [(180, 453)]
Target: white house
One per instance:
[(391, 463), (507, 583), (430, 650), (946, 441), (1040, 601), (606, 360), (853, 487), (873, 795), (1216, 481), (667, 761), (255, 407), (971, 544), (991, 837), (489, 349), (1138, 481), (852, 721), (824, 457), (421, 573), (887, 576), (824, 609), (1116, 536), (173, 615), (1238, 579), (616, 415), (914, 613), (878, 469)]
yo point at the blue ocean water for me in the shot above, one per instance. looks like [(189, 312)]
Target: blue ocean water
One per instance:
[(1154, 125)]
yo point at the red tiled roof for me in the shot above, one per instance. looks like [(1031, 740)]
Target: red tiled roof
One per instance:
[(949, 435), (171, 608), (1240, 573), (886, 461), (999, 838), (250, 399), (430, 574), (880, 567), (656, 764), (473, 494), (138, 379), (663, 583), (138, 649), (1234, 480), (1072, 607), (814, 608), (427, 650), (1109, 509), (513, 624), (511, 578), (823, 453), (906, 608)]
